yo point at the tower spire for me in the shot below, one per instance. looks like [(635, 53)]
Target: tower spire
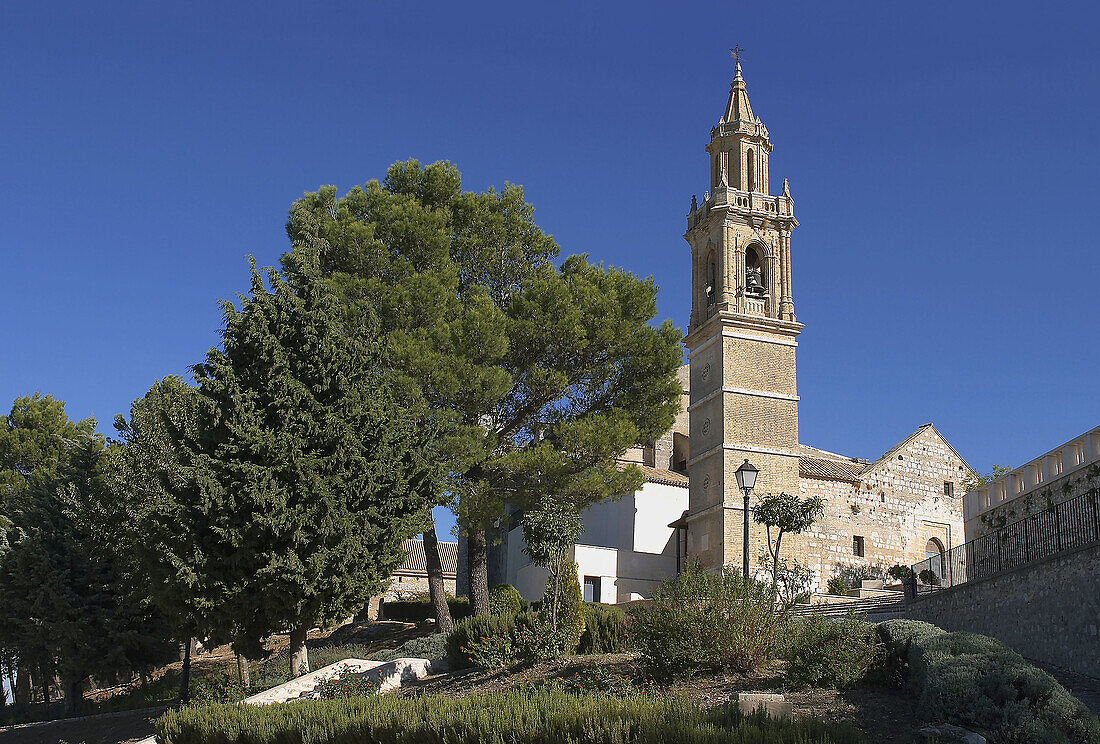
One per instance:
[(737, 107)]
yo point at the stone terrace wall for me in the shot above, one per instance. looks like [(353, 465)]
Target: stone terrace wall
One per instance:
[(1048, 611)]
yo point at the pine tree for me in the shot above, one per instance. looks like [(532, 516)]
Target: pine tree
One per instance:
[(538, 375), (66, 605)]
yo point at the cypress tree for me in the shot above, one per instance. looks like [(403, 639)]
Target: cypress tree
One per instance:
[(308, 452)]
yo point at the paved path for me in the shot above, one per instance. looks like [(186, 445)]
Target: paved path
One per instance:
[(108, 728), (1085, 689)]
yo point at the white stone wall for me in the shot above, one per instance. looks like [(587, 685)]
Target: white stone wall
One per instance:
[(627, 543), (1059, 475)]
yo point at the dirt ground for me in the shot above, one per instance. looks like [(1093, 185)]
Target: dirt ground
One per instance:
[(882, 713)]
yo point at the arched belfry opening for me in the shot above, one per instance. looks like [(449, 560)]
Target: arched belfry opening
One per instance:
[(754, 272), (750, 170), (712, 278)]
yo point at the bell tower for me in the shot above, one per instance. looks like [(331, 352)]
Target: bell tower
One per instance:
[(742, 336)]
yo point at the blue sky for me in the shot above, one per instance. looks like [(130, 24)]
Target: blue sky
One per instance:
[(943, 162)]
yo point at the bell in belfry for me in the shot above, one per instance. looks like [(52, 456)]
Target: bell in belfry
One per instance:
[(754, 281)]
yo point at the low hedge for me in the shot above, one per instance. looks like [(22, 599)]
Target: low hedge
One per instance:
[(432, 647), (604, 630), (546, 716), (476, 628), (898, 636), (979, 683), (419, 609), (832, 652)]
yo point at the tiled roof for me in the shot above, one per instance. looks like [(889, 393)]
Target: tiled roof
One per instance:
[(664, 477), (838, 470), (415, 562)]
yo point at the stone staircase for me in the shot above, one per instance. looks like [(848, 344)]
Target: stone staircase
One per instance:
[(872, 601)]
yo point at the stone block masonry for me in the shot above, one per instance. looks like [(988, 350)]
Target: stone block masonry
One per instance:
[(1047, 611)]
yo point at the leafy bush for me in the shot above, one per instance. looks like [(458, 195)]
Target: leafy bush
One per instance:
[(426, 647), (604, 630), (708, 620), (600, 680), (215, 688), (276, 669), (979, 683), (929, 577), (474, 631), (837, 585), (897, 636), (828, 652), (536, 640), (900, 572), (419, 608), (504, 599), (348, 686), (519, 716)]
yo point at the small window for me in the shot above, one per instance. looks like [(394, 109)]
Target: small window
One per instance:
[(857, 546), (591, 588), (948, 488)]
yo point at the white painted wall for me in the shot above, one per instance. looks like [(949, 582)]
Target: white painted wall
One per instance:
[(627, 543)]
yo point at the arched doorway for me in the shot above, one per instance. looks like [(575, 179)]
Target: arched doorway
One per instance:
[(934, 553)]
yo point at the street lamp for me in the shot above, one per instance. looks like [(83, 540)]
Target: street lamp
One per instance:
[(746, 481)]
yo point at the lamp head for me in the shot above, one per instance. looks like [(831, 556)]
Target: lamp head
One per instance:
[(746, 477)]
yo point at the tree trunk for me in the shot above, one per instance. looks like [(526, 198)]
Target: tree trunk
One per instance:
[(443, 621), (244, 673), (478, 571), (4, 686), (45, 684), (22, 684), (555, 581), (73, 695), (775, 559), (299, 657), (185, 674)]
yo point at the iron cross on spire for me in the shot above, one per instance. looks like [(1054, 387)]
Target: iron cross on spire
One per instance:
[(736, 53)]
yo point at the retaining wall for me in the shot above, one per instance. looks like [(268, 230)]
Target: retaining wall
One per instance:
[(1048, 611)]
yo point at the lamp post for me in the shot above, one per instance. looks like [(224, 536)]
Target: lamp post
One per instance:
[(746, 481)]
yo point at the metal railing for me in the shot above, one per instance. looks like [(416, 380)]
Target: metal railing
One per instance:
[(1059, 528)]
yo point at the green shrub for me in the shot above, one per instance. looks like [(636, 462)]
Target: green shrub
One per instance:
[(276, 669), (432, 647), (900, 572), (601, 680), (979, 683), (521, 716), (832, 652), (475, 631), (836, 585), (897, 636), (570, 608), (708, 620), (348, 686), (419, 608), (930, 577), (504, 599), (215, 688), (604, 630), (536, 640)]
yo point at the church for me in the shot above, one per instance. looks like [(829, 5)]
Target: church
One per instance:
[(740, 403)]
